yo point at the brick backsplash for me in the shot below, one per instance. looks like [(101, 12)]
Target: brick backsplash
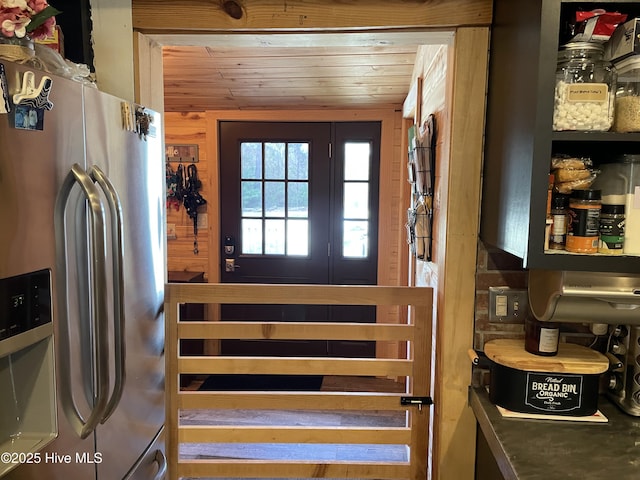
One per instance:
[(497, 268)]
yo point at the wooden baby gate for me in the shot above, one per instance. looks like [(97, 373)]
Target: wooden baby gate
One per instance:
[(414, 367)]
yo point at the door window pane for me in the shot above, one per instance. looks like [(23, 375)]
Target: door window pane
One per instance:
[(274, 237), (356, 200), (356, 160), (298, 237), (274, 160), (355, 239), (251, 199), (251, 236), (251, 160), (274, 199), (267, 193), (298, 161), (298, 199)]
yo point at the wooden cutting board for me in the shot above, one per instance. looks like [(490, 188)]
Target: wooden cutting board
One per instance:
[(571, 358)]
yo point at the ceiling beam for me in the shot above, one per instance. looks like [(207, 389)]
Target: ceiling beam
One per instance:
[(254, 15)]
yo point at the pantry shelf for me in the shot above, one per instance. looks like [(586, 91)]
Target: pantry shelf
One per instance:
[(520, 140)]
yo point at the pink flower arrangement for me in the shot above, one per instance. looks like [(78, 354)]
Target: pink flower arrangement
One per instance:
[(27, 18)]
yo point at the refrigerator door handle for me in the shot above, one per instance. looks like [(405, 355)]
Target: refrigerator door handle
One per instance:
[(117, 245), (161, 460), (98, 305)]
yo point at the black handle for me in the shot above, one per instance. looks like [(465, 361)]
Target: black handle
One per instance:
[(479, 358)]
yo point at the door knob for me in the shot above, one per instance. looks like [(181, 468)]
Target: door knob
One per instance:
[(230, 265)]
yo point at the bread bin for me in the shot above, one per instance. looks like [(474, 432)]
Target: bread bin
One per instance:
[(564, 384)]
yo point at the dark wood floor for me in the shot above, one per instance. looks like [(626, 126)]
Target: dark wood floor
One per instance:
[(312, 452)]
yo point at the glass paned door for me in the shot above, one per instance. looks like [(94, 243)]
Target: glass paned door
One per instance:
[(299, 204), (355, 221), (274, 189)]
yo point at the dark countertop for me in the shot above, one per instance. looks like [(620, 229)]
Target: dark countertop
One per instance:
[(559, 450)]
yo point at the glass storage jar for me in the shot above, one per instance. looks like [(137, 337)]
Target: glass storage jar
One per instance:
[(585, 88), (627, 108), (620, 185)]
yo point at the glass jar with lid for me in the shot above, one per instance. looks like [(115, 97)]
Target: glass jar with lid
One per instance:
[(585, 88), (627, 109)]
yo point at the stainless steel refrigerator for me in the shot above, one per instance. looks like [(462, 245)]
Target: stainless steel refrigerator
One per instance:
[(84, 198)]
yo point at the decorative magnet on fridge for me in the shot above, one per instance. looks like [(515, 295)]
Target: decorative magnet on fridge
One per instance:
[(5, 106), (31, 102), (144, 122)]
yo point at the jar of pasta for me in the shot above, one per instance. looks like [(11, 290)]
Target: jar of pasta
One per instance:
[(585, 88), (627, 108)]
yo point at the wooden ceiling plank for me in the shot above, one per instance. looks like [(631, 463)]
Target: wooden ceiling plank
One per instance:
[(300, 62), (200, 107), (234, 52), (306, 91), (357, 71), (185, 52), (343, 101), (210, 90), (178, 82), (308, 51), (305, 39)]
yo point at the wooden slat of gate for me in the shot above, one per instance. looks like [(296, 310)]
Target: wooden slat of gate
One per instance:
[(297, 434), (415, 368), (298, 469), (296, 294), (295, 330), (360, 401), (420, 383), (296, 366)]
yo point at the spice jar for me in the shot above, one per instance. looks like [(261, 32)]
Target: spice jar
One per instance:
[(584, 228), (627, 104), (611, 229), (557, 238), (585, 88)]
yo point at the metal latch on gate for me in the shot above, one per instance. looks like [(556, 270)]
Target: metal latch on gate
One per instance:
[(419, 401)]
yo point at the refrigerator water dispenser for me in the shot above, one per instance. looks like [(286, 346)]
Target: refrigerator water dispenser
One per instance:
[(27, 382)]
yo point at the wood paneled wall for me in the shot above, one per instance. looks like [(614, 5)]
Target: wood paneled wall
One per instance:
[(432, 63), (190, 128), (455, 93), (201, 129)]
